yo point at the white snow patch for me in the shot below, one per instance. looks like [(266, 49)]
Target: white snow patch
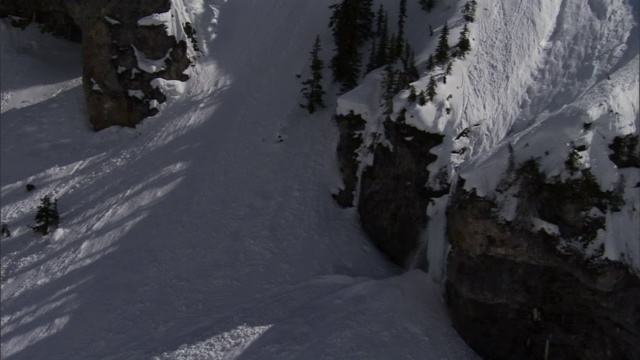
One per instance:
[(111, 20), (150, 65), (136, 94)]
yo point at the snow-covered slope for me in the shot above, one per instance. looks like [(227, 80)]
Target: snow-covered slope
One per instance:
[(544, 78), (564, 77), (207, 232)]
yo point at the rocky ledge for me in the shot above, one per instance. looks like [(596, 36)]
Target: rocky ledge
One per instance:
[(121, 57)]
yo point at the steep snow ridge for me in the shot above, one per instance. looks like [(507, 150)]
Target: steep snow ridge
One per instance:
[(199, 225), (542, 76), (583, 94), (586, 74)]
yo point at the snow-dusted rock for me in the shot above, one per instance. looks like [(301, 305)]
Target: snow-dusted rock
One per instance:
[(120, 54)]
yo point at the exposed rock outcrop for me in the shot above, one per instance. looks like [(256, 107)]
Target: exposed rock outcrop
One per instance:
[(392, 193), (517, 291), (117, 80)]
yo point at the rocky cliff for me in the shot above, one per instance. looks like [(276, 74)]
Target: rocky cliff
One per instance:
[(528, 289), (391, 192), (125, 47)]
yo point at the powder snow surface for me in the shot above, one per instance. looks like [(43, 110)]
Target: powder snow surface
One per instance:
[(208, 232)]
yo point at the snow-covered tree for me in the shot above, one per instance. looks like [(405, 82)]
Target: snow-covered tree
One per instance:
[(389, 90), (469, 10)]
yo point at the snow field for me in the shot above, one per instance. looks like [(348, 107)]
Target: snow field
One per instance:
[(199, 234)]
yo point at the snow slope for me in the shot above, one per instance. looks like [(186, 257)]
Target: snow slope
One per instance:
[(206, 233), (544, 77)]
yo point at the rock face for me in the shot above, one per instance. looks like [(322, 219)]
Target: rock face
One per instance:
[(52, 16), (392, 194), (517, 293), (117, 85)]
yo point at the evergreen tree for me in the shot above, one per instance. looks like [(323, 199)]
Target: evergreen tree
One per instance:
[(382, 57), (442, 50), (449, 69), (380, 22), (422, 98), (469, 10), (391, 49), (371, 64), (431, 88), (427, 5), (431, 63), (400, 81), (352, 24), (389, 89), (365, 19), (47, 216), (401, 21), (409, 63), (312, 87), (464, 45), (413, 95)]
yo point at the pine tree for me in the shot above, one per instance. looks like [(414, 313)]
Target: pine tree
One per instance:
[(466, 10), (312, 90), (401, 21), (47, 216), (352, 25), (391, 49), (431, 88), (464, 45), (422, 98), (469, 10), (380, 21), (449, 69), (382, 57), (365, 18), (431, 63), (389, 89), (413, 95), (400, 81), (409, 64), (427, 5), (371, 64), (442, 50)]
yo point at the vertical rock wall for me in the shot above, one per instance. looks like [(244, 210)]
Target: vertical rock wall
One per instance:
[(517, 293), (392, 194)]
